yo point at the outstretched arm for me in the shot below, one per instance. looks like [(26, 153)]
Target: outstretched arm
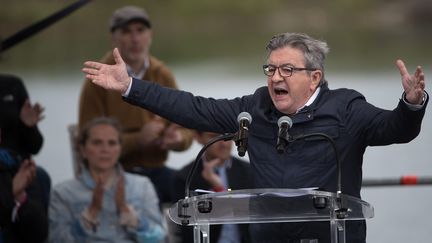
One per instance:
[(112, 77), (413, 84)]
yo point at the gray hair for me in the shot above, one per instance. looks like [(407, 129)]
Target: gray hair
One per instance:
[(315, 51)]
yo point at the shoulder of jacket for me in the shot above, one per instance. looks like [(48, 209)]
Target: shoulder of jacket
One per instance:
[(136, 179), (65, 186), (158, 65), (344, 93)]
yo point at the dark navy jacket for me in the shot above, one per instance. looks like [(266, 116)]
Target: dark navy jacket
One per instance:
[(342, 114)]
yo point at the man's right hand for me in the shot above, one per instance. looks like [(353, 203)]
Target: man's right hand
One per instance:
[(112, 77)]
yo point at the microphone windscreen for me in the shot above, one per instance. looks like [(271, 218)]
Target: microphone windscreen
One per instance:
[(285, 119), (244, 115)]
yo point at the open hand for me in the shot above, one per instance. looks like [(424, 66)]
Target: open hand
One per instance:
[(112, 77), (31, 114), (413, 84)]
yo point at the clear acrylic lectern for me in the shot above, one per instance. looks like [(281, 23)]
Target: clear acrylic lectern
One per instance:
[(269, 206)]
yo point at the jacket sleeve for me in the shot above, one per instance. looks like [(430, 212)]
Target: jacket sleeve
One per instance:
[(62, 226), (185, 109), (150, 228), (166, 79), (376, 126)]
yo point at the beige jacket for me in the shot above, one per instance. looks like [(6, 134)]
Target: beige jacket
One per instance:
[(96, 101)]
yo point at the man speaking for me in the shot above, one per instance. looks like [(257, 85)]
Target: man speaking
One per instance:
[(296, 87)]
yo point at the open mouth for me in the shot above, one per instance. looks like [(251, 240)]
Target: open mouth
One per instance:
[(280, 91)]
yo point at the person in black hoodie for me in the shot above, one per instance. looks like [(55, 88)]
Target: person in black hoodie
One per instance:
[(21, 138), (20, 134)]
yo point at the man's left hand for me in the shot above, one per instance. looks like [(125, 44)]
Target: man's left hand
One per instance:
[(413, 84)]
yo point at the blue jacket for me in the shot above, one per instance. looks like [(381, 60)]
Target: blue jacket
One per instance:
[(69, 200), (342, 114)]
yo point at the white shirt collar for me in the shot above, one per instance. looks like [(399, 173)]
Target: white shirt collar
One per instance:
[(141, 72), (311, 99)]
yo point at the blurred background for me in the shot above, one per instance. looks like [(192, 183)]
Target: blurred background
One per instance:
[(362, 34), (216, 48)]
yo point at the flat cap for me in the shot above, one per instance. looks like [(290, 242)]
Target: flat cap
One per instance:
[(125, 15)]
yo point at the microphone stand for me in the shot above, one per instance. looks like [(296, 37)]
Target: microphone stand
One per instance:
[(182, 205), (341, 211)]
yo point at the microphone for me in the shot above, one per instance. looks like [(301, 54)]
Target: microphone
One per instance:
[(244, 119), (284, 123)]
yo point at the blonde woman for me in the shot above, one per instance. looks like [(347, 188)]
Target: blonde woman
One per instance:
[(104, 204)]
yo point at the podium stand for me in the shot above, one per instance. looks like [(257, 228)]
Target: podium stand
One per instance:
[(269, 206)]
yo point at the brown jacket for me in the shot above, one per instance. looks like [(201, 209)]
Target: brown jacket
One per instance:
[(96, 101)]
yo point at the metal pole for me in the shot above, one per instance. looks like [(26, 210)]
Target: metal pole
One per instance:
[(406, 180), (40, 25)]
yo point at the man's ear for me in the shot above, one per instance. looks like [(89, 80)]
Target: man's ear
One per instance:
[(316, 77)]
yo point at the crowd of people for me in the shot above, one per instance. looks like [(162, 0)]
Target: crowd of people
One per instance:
[(131, 115)]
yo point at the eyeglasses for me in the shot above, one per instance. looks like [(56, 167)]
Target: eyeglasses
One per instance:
[(285, 70)]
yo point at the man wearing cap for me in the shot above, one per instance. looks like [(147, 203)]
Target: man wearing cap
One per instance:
[(147, 138)]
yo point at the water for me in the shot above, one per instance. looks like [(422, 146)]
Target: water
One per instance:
[(401, 213)]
